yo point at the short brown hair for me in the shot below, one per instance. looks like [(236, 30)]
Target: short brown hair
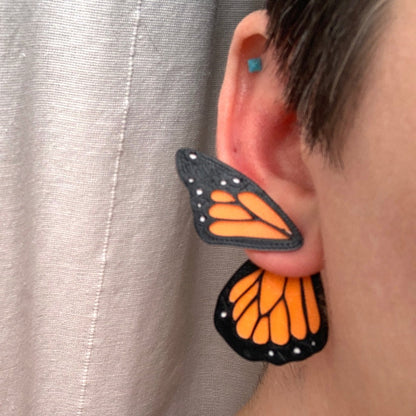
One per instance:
[(323, 48)]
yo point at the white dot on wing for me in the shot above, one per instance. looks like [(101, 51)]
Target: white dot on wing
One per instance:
[(202, 218), (191, 180), (297, 350), (199, 191), (223, 314), (223, 183), (192, 156), (236, 180), (271, 353)]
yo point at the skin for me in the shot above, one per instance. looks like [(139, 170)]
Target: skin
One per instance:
[(358, 223)]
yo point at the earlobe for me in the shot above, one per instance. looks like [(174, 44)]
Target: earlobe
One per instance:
[(259, 137)]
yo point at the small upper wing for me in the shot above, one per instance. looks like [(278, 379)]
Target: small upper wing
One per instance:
[(231, 209)]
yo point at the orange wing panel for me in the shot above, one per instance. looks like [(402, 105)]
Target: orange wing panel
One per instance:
[(222, 196), (279, 325), (249, 229), (244, 301), (260, 208), (229, 212), (241, 286), (261, 333), (247, 322), (271, 290), (293, 296), (314, 318)]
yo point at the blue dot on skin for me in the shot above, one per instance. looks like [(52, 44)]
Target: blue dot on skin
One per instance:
[(254, 65)]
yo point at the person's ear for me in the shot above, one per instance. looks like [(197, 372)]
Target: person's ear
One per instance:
[(259, 137)]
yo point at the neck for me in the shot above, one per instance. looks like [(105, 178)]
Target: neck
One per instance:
[(349, 377), (302, 388)]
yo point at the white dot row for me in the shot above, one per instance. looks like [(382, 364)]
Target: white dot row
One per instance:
[(193, 156), (199, 191), (271, 353)]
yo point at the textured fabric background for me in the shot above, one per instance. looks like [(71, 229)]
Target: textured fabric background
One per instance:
[(106, 293)]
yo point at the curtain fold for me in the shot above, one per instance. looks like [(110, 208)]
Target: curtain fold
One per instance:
[(106, 293)]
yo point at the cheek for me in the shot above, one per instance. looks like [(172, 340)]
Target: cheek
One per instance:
[(368, 225), (367, 214), (367, 211)]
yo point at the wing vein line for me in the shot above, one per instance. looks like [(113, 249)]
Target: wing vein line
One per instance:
[(262, 220), (255, 281), (305, 310), (287, 309), (245, 310)]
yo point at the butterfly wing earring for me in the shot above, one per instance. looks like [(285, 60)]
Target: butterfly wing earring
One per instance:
[(262, 316)]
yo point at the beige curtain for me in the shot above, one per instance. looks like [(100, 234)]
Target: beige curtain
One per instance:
[(106, 293)]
